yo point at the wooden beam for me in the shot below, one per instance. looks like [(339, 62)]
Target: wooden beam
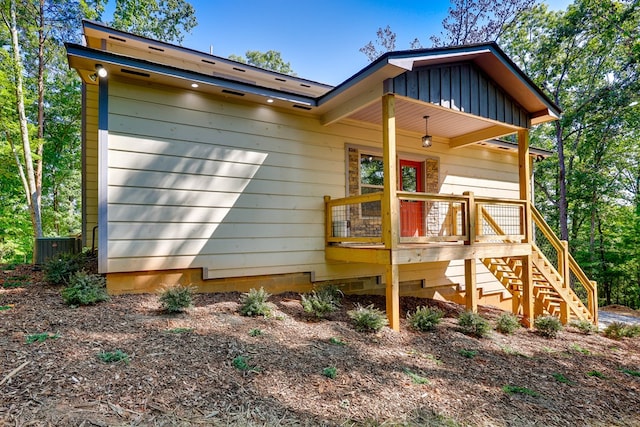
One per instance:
[(390, 205), (471, 289), (413, 254), (392, 277), (354, 104), (358, 254), (528, 299), (480, 135)]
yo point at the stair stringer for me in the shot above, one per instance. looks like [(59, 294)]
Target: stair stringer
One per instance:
[(547, 283)]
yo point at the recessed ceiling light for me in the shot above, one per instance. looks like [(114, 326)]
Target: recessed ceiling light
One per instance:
[(270, 101), (194, 85)]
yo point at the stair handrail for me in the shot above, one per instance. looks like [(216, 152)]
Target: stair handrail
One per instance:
[(589, 285), (546, 229)]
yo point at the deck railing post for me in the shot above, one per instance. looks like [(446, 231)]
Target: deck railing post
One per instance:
[(592, 300), (328, 220), (472, 218)]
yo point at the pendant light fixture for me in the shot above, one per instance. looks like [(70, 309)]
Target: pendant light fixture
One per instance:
[(427, 139)]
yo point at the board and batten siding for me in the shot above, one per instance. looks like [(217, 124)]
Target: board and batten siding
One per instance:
[(90, 165), (461, 87), (200, 182)]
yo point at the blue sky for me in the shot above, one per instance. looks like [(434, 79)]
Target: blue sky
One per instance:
[(321, 39)]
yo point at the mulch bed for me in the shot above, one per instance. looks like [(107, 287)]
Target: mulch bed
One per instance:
[(181, 368)]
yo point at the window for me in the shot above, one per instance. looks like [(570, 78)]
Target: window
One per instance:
[(371, 181), (371, 173)]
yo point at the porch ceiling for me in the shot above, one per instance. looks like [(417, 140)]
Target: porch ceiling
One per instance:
[(445, 125)]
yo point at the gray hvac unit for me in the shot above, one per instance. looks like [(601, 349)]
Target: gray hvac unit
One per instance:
[(50, 247)]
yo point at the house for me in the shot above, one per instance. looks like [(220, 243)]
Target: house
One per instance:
[(198, 169)]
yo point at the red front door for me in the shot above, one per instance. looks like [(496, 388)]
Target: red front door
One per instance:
[(411, 211)]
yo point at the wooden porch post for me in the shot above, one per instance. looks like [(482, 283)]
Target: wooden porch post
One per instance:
[(471, 290), (528, 299), (470, 285), (524, 168), (390, 208)]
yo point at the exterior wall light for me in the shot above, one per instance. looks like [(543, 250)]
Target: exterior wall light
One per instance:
[(101, 71), (427, 140)]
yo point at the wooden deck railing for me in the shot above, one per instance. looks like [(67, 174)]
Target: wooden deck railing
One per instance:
[(426, 218), (566, 266)]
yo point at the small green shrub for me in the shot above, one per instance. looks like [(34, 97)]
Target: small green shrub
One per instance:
[(584, 326), (254, 303), (576, 347), (597, 374), (561, 378), (85, 289), (330, 372), (241, 363), (469, 354), (425, 318), (514, 389), (415, 378), (547, 326), (16, 282), (368, 319), (617, 330), (630, 372), (473, 324), (114, 356), (255, 332), (176, 298), (510, 351), (5, 307), (326, 299), (507, 323), (337, 341), (60, 270), (41, 337)]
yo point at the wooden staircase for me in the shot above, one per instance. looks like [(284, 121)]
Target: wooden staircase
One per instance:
[(551, 290), (548, 290)]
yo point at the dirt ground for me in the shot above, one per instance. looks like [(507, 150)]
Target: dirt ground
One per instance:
[(181, 369)]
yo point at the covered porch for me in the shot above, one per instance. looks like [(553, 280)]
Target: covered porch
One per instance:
[(457, 97)]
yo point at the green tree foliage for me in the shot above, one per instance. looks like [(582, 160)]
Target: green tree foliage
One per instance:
[(587, 59), (166, 20), (40, 153), (269, 60)]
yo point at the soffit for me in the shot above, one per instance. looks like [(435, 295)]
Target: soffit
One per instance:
[(101, 37)]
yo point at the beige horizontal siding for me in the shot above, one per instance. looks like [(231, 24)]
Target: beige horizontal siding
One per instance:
[(90, 172), (232, 188), (238, 189)]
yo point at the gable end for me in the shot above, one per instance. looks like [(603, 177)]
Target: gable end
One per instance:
[(461, 87)]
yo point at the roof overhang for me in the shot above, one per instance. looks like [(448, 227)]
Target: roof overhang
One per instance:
[(487, 56), (129, 56), (85, 60)]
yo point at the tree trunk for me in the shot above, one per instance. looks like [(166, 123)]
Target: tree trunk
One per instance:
[(33, 190), (41, 75)]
